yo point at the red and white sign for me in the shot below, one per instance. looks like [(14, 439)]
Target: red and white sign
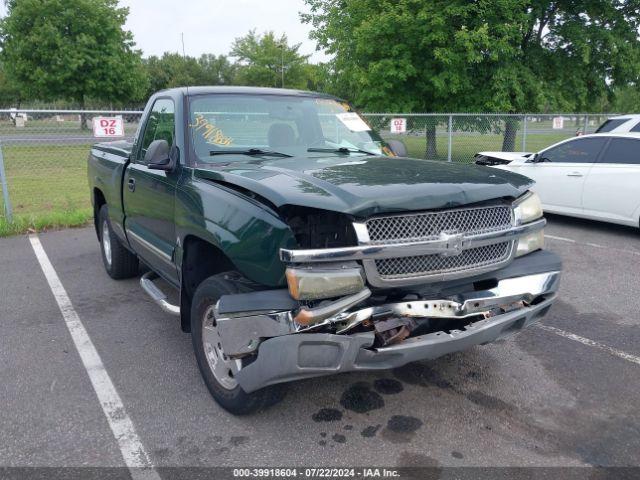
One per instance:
[(398, 125), (558, 123), (108, 127)]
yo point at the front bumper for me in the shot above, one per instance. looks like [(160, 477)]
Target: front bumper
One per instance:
[(305, 355), (285, 353)]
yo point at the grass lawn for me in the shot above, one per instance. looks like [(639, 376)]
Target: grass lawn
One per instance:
[(464, 147), (47, 186)]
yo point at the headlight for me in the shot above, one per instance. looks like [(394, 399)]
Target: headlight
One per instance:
[(318, 283), (527, 209)]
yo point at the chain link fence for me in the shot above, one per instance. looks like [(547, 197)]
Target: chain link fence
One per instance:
[(43, 165), (458, 137), (43, 152)]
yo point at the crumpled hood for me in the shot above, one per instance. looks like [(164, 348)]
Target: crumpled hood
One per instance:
[(510, 156), (364, 185)]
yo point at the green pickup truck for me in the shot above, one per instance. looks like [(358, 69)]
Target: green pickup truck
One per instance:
[(299, 243)]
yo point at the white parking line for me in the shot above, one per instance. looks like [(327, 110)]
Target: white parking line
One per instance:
[(591, 343), (133, 452), (562, 239), (588, 244)]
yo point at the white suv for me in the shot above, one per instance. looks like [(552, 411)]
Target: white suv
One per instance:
[(621, 124)]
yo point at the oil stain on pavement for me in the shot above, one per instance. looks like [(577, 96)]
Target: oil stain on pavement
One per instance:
[(360, 398), (401, 428)]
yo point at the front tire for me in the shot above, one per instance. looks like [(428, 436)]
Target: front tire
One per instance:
[(216, 368), (118, 261)]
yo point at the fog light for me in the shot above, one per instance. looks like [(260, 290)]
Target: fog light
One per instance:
[(530, 243), (315, 284)]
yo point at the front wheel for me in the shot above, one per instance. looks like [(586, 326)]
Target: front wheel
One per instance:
[(217, 369)]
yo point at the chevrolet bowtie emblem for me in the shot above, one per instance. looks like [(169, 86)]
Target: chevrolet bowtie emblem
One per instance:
[(454, 244)]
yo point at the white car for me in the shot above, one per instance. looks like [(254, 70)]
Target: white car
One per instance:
[(593, 176), (620, 124)]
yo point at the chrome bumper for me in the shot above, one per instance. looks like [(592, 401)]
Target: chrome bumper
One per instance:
[(294, 357), (286, 352)]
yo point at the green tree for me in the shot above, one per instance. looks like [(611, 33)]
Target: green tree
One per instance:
[(268, 61), (217, 70), (71, 49), (487, 55), (10, 94), (175, 70), (626, 99), (172, 70)]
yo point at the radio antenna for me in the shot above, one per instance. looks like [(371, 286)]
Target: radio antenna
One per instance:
[(184, 55)]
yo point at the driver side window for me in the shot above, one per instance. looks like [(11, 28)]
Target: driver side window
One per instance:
[(160, 125), (583, 150)]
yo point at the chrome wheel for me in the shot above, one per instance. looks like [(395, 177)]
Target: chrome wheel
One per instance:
[(106, 242), (222, 367)]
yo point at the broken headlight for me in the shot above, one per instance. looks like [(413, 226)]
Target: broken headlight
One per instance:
[(317, 283)]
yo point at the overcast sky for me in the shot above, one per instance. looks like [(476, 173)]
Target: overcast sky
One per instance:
[(210, 26)]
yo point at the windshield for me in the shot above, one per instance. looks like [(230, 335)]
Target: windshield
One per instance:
[(226, 127)]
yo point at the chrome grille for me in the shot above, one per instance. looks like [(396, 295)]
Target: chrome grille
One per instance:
[(427, 226), (425, 265)]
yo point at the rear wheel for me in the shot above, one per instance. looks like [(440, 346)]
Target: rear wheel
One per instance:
[(217, 369), (118, 261)]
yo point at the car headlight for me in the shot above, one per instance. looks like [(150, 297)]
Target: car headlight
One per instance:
[(528, 209), (318, 283)]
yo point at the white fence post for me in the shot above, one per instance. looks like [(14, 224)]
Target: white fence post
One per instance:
[(5, 189), (524, 134), (450, 137)]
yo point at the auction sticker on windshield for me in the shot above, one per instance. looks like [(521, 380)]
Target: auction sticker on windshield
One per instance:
[(108, 127), (353, 122)]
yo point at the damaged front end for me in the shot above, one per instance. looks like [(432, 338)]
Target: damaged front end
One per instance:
[(404, 288), (352, 335)]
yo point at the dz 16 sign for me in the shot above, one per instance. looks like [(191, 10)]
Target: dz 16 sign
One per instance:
[(558, 123), (108, 127), (398, 125)]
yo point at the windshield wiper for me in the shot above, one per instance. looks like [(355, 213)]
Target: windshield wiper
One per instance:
[(340, 150), (251, 152)]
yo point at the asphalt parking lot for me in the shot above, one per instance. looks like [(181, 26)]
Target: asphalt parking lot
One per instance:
[(564, 394)]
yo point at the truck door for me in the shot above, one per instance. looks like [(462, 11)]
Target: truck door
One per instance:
[(149, 195)]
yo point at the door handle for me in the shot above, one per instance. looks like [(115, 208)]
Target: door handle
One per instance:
[(574, 174), (132, 184)]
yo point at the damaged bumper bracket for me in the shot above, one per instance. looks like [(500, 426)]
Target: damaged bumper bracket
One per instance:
[(286, 353), (294, 357)]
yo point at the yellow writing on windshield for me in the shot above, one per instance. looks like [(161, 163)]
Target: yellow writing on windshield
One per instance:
[(387, 151), (212, 134)]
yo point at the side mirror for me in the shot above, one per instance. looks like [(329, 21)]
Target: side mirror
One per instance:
[(158, 156), (537, 158), (398, 148)]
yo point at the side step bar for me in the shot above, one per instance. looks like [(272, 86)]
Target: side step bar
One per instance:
[(146, 282)]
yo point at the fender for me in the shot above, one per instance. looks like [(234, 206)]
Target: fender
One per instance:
[(249, 234)]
